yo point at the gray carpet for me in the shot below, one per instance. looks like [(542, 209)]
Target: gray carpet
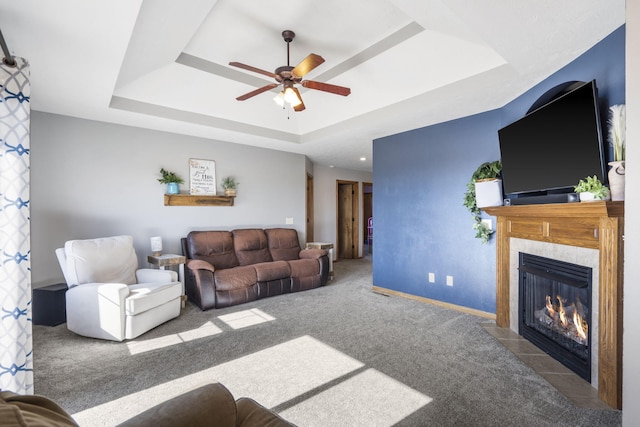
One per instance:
[(341, 355)]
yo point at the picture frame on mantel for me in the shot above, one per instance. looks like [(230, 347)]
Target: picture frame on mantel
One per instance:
[(202, 177)]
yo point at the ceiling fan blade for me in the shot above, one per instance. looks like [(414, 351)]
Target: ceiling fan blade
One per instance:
[(250, 68), (301, 106), (307, 64), (326, 87), (257, 91)]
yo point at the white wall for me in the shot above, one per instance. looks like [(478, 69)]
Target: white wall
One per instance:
[(631, 339), (324, 199), (92, 179)]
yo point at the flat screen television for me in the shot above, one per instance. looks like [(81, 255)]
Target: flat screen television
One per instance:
[(554, 146)]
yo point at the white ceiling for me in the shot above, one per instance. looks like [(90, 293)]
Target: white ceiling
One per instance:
[(163, 64)]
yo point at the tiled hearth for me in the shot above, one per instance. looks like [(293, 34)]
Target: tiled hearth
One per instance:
[(574, 388)]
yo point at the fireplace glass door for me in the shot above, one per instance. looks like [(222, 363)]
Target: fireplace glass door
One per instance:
[(555, 310)]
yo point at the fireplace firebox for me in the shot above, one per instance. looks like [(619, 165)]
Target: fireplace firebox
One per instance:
[(555, 310)]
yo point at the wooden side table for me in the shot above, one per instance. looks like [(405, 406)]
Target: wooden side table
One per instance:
[(169, 260), (329, 248)]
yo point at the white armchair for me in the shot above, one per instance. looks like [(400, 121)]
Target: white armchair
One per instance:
[(108, 296)]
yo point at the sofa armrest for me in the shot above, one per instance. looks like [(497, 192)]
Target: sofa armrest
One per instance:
[(312, 253), (252, 414), (32, 410), (200, 283), (209, 405), (199, 264), (151, 275)]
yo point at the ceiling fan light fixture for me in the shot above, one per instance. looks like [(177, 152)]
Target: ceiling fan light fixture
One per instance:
[(291, 97), (279, 99)]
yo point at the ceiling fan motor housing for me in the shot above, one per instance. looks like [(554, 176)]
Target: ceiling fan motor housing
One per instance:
[(288, 35)]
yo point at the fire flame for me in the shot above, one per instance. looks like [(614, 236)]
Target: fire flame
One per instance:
[(552, 311), (563, 316), (578, 325)]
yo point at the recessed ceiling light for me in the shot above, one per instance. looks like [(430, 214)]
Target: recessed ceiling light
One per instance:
[(363, 159)]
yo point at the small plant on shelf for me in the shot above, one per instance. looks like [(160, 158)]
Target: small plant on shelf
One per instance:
[(591, 185), (488, 170), (171, 179), (229, 184), (168, 177)]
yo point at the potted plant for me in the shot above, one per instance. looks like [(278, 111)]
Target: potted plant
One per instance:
[(171, 179), (591, 189), (617, 139), (485, 183), (229, 184)]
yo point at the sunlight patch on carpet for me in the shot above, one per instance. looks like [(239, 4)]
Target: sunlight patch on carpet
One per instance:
[(245, 318), (271, 376), (368, 399), (206, 330)]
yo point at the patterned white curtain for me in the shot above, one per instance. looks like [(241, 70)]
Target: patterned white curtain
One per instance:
[(16, 350)]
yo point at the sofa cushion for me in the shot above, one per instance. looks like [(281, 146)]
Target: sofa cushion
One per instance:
[(304, 267), (215, 247), (283, 243), (235, 278), (267, 271), (251, 246)]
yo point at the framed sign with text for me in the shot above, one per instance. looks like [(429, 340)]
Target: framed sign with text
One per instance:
[(202, 177)]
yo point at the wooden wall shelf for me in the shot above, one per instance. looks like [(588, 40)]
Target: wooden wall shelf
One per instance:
[(195, 200)]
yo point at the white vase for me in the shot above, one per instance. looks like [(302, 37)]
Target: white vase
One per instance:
[(587, 196), (616, 180), (488, 193)]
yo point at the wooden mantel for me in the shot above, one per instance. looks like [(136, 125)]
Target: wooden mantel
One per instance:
[(595, 225)]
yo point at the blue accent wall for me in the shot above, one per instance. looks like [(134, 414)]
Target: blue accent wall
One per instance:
[(420, 178)]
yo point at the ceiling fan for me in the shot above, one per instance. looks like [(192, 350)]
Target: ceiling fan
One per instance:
[(288, 76)]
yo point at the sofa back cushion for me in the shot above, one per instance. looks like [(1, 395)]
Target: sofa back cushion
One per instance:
[(251, 246), (215, 247), (283, 243)]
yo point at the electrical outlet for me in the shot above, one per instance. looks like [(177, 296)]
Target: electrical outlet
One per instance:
[(449, 280), (288, 221), (432, 278), (488, 223)]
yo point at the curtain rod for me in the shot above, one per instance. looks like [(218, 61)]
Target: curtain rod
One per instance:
[(8, 58)]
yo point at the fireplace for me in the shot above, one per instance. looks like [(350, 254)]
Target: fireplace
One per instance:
[(555, 310), (595, 226)]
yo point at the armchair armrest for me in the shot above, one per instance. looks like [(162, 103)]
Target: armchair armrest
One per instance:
[(108, 299), (312, 253), (151, 275)]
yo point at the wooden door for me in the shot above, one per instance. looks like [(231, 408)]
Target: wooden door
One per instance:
[(347, 219), (309, 226)]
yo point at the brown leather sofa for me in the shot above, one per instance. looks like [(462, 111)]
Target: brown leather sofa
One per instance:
[(226, 268), (211, 405)]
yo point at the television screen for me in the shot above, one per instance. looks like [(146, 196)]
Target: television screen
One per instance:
[(552, 148)]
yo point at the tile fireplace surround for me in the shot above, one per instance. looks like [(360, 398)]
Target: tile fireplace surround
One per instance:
[(587, 233)]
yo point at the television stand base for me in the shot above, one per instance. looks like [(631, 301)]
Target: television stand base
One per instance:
[(547, 198)]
